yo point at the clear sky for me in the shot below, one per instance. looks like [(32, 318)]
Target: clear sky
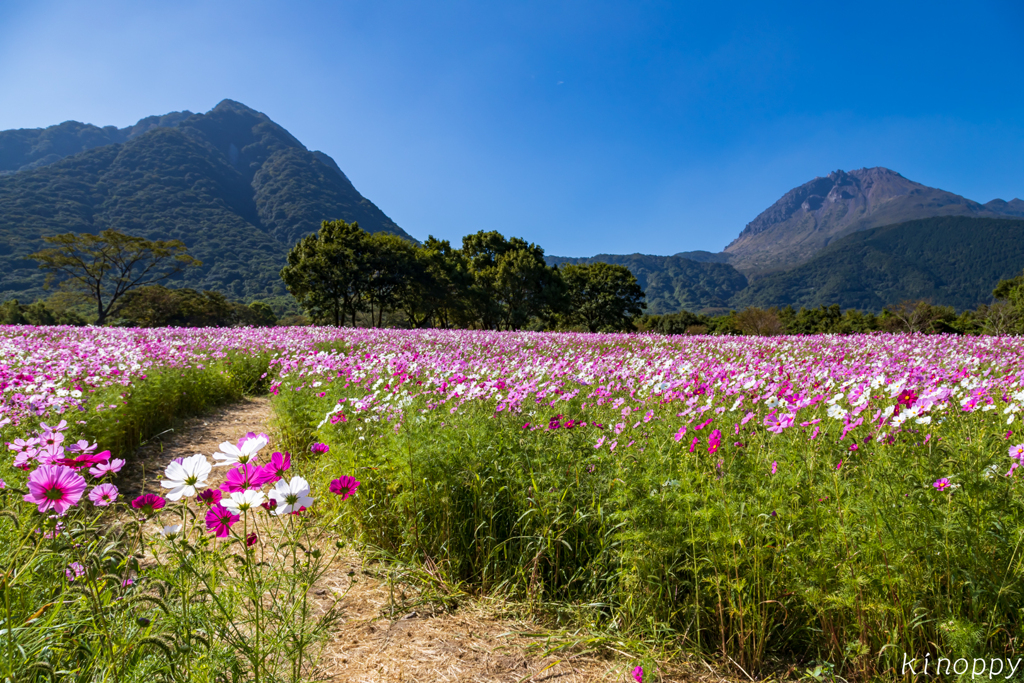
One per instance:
[(587, 127)]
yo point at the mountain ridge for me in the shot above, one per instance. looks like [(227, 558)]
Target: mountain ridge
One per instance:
[(807, 218), (238, 189)]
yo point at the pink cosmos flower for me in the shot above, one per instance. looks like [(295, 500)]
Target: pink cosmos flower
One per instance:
[(839, 466), (340, 417), (74, 571), (219, 520), (104, 468), (344, 487), (1017, 452), (638, 674), (693, 444), (714, 441), (777, 423), (251, 539), (319, 448), (54, 487), (245, 476), (50, 454), (210, 497), (24, 459), (775, 467), (148, 503), (941, 484), (49, 438), (58, 428), (681, 433), (103, 495), (278, 465), (82, 446), (3, 484)]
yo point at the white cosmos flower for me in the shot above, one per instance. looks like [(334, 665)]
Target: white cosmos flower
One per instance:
[(290, 495), (836, 412), (926, 420), (185, 478), (170, 531), (243, 501), (244, 452)]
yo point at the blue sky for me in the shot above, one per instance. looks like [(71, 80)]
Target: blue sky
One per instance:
[(586, 127)]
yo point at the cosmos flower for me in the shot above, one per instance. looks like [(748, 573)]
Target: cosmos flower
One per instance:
[(84, 459), (103, 495), (54, 487), (148, 503), (941, 484), (241, 502), (219, 520), (246, 476), (344, 486), (290, 495), (242, 452), (210, 497), (278, 465), (185, 478), (102, 469), (74, 571)]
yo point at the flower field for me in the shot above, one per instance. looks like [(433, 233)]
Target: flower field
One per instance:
[(794, 500)]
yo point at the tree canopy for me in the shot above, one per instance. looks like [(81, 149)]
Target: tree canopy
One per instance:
[(107, 266)]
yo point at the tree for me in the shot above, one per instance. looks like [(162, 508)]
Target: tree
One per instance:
[(511, 281), (391, 267), (602, 297), (759, 322), (107, 266), (326, 272), (439, 292)]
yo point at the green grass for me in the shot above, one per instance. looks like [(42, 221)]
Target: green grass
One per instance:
[(852, 566)]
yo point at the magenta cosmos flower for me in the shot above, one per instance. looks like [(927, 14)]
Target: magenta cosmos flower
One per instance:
[(103, 495), (148, 503), (278, 465), (210, 497), (941, 484), (85, 460), (344, 487), (244, 477), (54, 487), (320, 448), (219, 520), (638, 674)]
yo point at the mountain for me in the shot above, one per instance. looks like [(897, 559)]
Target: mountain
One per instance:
[(28, 148), (674, 283), (1014, 207), (238, 189), (952, 261), (808, 218)]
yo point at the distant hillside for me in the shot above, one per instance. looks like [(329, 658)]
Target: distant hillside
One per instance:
[(234, 186), (27, 148), (808, 218), (673, 283), (954, 261)]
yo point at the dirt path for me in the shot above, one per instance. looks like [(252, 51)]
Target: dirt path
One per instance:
[(471, 643)]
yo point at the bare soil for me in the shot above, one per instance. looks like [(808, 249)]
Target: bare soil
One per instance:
[(375, 643)]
